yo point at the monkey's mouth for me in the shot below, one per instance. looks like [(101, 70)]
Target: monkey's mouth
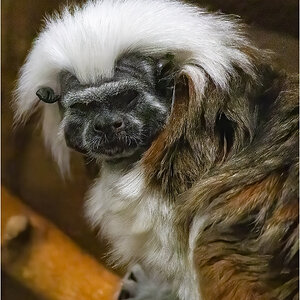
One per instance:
[(113, 148)]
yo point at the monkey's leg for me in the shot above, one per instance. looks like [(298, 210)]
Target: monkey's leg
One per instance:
[(232, 285), (138, 286), (235, 276)]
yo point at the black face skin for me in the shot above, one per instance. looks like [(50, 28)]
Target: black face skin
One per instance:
[(117, 118)]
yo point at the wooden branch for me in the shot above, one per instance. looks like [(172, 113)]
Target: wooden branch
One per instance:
[(45, 260)]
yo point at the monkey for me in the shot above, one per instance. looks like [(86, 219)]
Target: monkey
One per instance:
[(195, 134)]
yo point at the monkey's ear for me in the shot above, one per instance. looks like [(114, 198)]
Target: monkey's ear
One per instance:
[(47, 95), (166, 70)]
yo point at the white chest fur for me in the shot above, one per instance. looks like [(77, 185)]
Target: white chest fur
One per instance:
[(138, 222)]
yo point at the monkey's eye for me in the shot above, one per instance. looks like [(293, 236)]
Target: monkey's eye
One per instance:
[(126, 98), (79, 106)]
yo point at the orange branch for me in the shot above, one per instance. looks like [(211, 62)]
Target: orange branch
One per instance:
[(45, 260)]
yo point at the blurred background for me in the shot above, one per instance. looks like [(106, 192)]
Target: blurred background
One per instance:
[(27, 168)]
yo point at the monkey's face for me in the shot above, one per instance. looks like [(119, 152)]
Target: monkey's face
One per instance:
[(117, 117)]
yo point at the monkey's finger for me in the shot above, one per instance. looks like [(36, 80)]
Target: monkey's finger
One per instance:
[(139, 273), (130, 287)]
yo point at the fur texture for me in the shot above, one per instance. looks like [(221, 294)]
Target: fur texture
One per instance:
[(212, 205)]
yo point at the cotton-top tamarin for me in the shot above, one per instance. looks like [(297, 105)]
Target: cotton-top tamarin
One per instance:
[(196, 137)]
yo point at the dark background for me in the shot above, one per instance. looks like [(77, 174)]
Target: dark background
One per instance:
[(27, 169)]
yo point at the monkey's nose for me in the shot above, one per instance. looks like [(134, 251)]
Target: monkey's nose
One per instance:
[(108, 127)]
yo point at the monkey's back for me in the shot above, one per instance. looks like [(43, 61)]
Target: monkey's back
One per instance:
[(248, 248)]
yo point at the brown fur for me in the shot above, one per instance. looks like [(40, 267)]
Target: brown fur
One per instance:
[(233, 156)]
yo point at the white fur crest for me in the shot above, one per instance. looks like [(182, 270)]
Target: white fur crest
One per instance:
[(88, 40)]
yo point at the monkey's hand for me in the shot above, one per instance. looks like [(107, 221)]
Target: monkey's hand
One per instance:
[(138, 286)]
